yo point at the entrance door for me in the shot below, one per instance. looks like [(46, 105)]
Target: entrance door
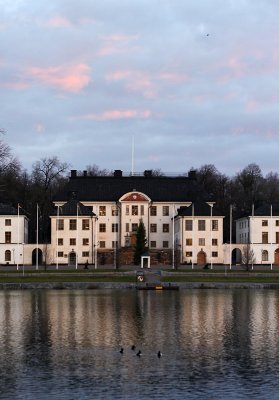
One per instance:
[(34, 257), (201, 258), (276, 257), (72, 259)]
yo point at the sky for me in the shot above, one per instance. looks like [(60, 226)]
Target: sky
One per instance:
[(189, 82)]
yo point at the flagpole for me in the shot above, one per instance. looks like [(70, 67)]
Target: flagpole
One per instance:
[(271, 265), (231, 236), (37, 237), (251, 237), (193, 234), (17, 236), (77, 240), (173, 236), (57, 222)]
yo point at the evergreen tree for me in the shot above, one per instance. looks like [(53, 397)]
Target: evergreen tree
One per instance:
[(141, 241)]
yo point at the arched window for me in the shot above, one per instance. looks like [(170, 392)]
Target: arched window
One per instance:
[(264, 255), (8, 255)]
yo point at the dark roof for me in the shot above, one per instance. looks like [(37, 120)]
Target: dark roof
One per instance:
[(265, 210), (112, 188), (201, 209), (8, 209), (74, 208)]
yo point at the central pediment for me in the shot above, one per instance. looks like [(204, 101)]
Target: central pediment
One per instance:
[(135, 196)]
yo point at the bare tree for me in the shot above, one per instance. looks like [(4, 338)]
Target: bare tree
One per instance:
[(95, 170), (248, 257), (48, 171)]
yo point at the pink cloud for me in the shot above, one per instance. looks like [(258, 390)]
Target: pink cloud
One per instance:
[(59, 22), (117, 43), (16, 85), (136, 81), (118, 114), (68, 78)]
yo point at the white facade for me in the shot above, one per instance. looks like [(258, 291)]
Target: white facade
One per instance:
[(262, 234), (200, 239), (13, 237), (72, 240)]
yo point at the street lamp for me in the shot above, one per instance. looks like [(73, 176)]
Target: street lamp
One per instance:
[(211, 204)]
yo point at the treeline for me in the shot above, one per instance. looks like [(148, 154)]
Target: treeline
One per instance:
[(49, 175)]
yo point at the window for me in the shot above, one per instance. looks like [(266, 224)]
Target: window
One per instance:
[(214, 225), (153, 211), (114, 244), (102, 211), (142, 209), (264, 255), (189, 242), (102, 228), (72, 241), (153, 243), (277, 222), (153, 228), (60, 254), (135, 227), (201, 225), (165, 244), (201, 242), (265, 237), (166, 228), (8, 237), (214, 242), (264, 222), (85, 224), (60, 242), (127, 227), (102, 244), (85, 254), (114, 227), (135, 210), (188, 225), (189, 254), (8, 255), (8, 222), (114, 211), (165, 211), (127, 210), (85, 242), (60, 224), (277, 237), (215, 254), (73, 224)]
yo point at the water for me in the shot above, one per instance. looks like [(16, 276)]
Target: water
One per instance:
[(65, 344)]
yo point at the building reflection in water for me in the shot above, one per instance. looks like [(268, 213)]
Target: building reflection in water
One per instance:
[(199, 328)]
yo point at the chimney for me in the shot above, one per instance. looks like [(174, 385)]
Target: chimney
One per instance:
[(84, 173), (192, 174), (73, 173), (117, 173), (148, 173)]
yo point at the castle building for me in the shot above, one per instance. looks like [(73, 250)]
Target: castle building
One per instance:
[(114, 206), (199, 234), (260, 231)]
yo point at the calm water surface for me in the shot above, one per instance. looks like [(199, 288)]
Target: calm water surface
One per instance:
[(65, 344)]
